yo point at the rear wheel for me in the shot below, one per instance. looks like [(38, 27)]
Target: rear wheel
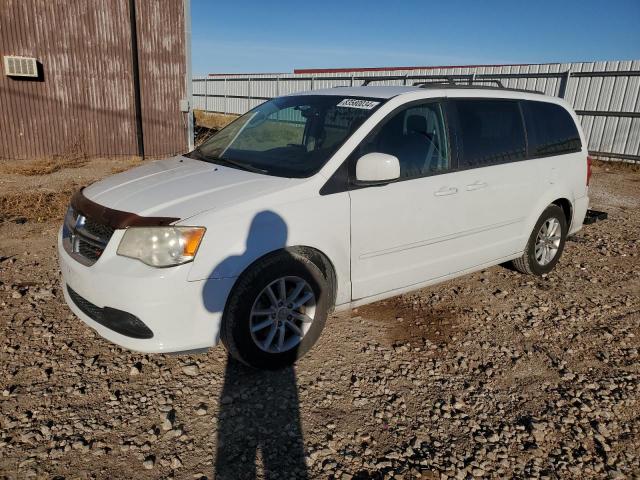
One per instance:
[(545, 244), (276, 312)]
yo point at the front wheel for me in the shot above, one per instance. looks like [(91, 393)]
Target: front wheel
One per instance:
[(276, 312), (545, 244)]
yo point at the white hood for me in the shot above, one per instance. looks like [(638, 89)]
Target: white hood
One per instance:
[(179, 187)]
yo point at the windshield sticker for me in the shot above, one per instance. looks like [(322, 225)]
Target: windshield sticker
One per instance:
[(355, 103)]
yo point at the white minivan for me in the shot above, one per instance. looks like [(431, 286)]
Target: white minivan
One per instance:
[(318, 201)]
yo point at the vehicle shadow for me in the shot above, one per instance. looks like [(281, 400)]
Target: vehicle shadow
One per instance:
[(259, 434)]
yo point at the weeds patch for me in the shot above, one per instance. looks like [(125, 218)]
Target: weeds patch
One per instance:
[(616, 166), (214, 121), (36, 206), (130, 163), (42, 166)]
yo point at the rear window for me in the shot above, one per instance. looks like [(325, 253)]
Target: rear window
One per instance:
[(550, 128), (490, 132)]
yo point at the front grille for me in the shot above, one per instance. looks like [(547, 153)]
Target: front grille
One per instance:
[(89, 251), (98, 230), (119, 321), (84, 238)]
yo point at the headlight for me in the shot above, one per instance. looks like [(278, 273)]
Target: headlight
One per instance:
[(161, 246)]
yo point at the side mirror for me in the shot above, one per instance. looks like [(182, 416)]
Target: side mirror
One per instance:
[(377, 168)]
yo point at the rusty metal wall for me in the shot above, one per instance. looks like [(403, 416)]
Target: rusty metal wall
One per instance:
[(83, 103), (161, 52)]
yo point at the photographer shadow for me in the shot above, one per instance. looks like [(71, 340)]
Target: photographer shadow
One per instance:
[(259, 434)]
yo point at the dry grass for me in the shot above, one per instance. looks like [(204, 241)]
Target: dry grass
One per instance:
[(214, 121), (42, 166), (128, 164), (37, 206), (616, 166), (24, 196)]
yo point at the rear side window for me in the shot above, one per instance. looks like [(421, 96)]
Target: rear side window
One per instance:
[(489, 132), (550, 128)]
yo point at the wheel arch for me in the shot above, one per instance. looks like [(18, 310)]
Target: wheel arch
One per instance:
[(314, 255), (567, 207), (323, 262), (556, 197)]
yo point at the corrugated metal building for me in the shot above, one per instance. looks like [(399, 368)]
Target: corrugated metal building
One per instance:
[(606, 95), (84, 98)]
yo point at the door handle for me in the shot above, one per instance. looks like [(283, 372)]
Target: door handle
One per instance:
[(445, 191), (476, 186)]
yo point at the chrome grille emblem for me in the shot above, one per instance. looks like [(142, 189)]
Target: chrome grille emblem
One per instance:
[(82, 243), (80, 222)]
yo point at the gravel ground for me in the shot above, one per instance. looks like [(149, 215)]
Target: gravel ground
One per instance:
[(493, 375)]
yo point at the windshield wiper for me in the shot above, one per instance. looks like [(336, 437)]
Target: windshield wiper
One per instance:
[(237, 164), (234, 163)]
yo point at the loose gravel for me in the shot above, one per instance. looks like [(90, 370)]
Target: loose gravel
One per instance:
[(493, 375)]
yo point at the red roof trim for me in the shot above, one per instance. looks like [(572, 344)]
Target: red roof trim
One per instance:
[(390, 69), (244, 74)]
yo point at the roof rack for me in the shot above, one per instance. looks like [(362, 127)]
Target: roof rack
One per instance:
[(479, 87), (452, 81), (449, 81), (385, 78)]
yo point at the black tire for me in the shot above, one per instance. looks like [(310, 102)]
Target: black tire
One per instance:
[(235, 329), (527, 263)]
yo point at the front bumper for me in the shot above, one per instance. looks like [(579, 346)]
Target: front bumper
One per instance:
[(181, 314)]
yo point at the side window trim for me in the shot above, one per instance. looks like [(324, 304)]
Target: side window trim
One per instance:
[(453, 129), (523, 121)]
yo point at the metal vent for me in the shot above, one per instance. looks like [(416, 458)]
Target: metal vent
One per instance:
[(20, 66)]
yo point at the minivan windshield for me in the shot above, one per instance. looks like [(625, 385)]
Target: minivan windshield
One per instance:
[(292, 136)]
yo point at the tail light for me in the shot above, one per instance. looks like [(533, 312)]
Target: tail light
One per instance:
[(589, 160)]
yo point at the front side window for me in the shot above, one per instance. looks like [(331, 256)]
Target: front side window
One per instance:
[(416, 136), (550, 128), (489, 132), (291, 136)]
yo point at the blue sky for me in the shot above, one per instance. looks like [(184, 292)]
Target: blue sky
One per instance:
[(278, 36)]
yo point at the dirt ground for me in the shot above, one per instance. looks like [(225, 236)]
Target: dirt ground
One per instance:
[(493, 375)]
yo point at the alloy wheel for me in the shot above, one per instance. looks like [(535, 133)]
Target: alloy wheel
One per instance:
[(282, 314)]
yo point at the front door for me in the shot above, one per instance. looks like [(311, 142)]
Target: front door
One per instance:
[(403, 233)]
